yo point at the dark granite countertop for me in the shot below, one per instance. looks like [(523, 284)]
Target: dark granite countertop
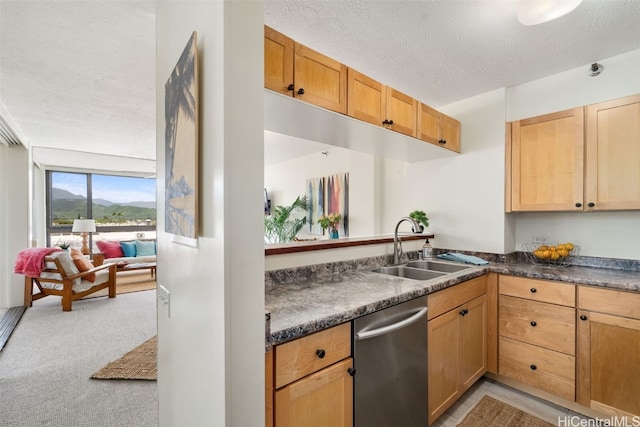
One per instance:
[(301, 307)]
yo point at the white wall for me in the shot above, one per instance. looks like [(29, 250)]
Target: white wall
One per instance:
[(463, 196), (14, 221), (599, 234), (211, 349)]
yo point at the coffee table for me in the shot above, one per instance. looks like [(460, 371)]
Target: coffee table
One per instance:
[(138, 266)]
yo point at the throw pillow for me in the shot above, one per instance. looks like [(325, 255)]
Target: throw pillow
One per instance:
[(145, 248), (83, 264), (128, 248), (110, 249)]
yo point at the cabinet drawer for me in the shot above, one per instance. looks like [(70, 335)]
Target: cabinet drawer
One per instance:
[(538, 290), (545, 325), (305, 355), (543, 369), (442, 301), (618, 303)]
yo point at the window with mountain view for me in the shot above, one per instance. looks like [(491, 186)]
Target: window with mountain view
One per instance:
[(123, 207)]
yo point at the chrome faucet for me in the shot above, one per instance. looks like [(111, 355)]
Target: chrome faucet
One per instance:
[(397, 243)]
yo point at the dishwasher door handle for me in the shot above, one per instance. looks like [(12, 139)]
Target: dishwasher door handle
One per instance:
[(364, 334)]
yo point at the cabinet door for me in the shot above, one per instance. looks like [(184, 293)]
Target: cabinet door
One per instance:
[(367, 98), (547, 168), (609, 363), (278, 61), (442, 337), (403, 111), (268, 389), (473, 341), (321, 399), (613, 155), (449, 133), (320, 80), (428, 124)]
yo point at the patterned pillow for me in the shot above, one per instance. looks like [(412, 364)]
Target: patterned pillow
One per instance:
[(110, 249), (83, 264)]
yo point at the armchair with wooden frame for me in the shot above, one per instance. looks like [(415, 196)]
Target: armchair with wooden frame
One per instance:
[(62, 277)]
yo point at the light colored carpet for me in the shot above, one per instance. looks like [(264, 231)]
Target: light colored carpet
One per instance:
[(141, 363), (46, 366), (490, 412)]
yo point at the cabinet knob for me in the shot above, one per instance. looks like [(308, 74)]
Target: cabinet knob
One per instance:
[(533, 367), (442, 141), (301, 91), (320, 353), (591, 204), (533, 323), (583, 317), (463, 312), (290, 87), (533, 290), (578, 205), (390, 122), (385, 122), (351, 371)]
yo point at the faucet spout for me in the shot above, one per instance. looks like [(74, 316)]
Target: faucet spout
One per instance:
[(397, 243)]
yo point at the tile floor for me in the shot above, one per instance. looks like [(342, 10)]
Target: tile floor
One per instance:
[(544, 410)]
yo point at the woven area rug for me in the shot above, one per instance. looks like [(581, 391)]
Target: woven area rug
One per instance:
[(138, 364), (490, 412)]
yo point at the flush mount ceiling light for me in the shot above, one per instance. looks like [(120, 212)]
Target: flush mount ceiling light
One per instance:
[(534, 12)]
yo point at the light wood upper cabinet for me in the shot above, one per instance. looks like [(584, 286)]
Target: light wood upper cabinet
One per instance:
[(547, 162), (278, 61), (296, 70), (320, 80), (613, 155), (402, 112), (438, 128), (609, 351), (366, 99)]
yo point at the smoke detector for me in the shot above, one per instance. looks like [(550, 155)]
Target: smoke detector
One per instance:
[(595, 69)]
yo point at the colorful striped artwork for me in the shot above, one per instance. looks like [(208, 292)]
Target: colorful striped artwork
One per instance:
[(338, 200), (315, 205)]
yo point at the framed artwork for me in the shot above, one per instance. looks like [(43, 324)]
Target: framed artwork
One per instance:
[(315, 205), (337, 200), (181, 145)]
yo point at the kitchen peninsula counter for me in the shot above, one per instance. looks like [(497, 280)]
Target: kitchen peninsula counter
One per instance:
[(305, 303)]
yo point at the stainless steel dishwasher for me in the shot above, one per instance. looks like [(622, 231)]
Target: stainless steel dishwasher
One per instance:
[(390, 359)]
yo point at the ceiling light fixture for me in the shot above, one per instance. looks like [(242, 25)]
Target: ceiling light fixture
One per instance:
[(534, 12), (595, 69)]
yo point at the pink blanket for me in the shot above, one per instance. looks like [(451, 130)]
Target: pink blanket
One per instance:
[(30, 262)]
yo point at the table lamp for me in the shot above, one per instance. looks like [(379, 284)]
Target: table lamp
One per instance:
[(84, 226)]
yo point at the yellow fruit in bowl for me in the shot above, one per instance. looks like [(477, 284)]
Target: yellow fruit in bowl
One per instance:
[(546, 254), (543, 247), (563, 252), (569, 246), (538, 253), (555, 255), (561, 247)]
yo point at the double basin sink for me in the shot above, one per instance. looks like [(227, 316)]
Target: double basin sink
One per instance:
[(421, 270)]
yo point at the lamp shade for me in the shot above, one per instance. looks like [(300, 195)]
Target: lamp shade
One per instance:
[(534, 12), (83, 226)]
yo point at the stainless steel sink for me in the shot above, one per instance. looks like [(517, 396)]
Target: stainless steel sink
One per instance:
[(437, 266), (408, 272)]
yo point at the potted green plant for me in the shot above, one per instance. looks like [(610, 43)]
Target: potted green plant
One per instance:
[(285, 221), (421, 218), (331, 222), (63, 244)]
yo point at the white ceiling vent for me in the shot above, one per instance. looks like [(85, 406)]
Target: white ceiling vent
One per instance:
[(7, 135)]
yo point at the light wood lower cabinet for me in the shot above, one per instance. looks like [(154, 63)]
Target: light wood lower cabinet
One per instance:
[(313, 380), (537, 338), (609, 351), (457, 342)]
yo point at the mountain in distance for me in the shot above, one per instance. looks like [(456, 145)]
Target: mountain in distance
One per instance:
[(60, 194)]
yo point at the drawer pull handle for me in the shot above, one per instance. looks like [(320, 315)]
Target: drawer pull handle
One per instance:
[(351, 371), (533, 290), (320, 353), (463, 312), (583, 317), (533, 367), (533, 323)]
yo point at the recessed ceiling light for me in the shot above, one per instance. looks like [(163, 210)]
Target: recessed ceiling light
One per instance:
[(534, 12)]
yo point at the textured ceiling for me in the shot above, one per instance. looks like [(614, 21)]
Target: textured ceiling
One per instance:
[(80, 75)]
